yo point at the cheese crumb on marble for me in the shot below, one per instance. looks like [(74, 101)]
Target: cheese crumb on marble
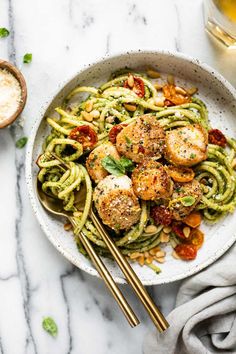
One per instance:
[(10, 94)]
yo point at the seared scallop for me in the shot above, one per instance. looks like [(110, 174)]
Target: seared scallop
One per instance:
[(93, 163), (142, 138), (184, 199), (186, 146), (116, 203), (151, 181)]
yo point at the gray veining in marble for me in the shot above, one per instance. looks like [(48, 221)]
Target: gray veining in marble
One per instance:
[(36, 281)]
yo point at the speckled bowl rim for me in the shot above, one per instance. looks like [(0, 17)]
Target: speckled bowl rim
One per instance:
[(29, 180)]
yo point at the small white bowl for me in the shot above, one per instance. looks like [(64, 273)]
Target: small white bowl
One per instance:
[(220, 98)]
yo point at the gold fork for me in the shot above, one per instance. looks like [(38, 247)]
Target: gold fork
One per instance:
[(155, 314)]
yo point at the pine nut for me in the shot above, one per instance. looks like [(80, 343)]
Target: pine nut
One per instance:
[(167, 229), (175, 255), (87, 116), (77, 214), (95, 114), (141, 260), (152, 252), (160, 254), (131, 81), (158, 86), (151, 229), (130, 107), (159, 101), (149, 260), (110, 119), (171, 79), (160, 260), (67, 226), (186, 231), (192, 90), (180, 90), (153, 74), (146, 254), (134, 255), (164, 238), (88, 106), (156, 249)]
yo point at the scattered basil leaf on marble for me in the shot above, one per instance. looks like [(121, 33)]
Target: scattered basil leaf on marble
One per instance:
[(21, 142), (188, 200), (27, 58), (50, 326), (4, 32), (117, 167), (113, 166)]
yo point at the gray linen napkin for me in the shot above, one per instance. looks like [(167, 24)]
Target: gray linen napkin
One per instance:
[(204, 320)]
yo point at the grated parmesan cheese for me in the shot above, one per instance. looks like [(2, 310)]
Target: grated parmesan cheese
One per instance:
[(10, 94)]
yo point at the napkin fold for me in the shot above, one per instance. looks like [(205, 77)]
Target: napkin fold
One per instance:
[(204, 320)]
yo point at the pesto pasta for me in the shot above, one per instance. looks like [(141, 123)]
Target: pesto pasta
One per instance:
[(91, 119)]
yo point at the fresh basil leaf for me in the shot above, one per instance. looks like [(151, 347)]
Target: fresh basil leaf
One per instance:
[(113, 166), (188, 200), (27, 58), (21, 142), (50, 326), (4, 32), (127, 164)]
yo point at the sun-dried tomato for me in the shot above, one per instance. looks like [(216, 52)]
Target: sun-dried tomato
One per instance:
[(216, 137), (174, 98), (161, 215), (85, 135), (196, 238), (115, 131), (177, 228), (186, 251), (138, 87)]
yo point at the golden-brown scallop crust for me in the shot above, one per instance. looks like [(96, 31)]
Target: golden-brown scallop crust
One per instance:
[(186, 146), (142, 138), (193, 189), (93, 162), (119, 209), (151, 181)]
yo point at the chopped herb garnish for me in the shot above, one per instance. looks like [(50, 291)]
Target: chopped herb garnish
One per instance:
[(21, 142), (4, 32), (50, 326), (192, 156), (128, 141), (27, 58), (188, 200), (117, 167), (127, 164)]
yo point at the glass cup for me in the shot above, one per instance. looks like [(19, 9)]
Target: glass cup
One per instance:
[(220, 20)]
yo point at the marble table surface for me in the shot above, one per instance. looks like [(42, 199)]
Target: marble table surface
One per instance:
[(35, 280)]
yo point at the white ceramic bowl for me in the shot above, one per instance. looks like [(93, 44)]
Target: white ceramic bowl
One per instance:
[(220, 98)]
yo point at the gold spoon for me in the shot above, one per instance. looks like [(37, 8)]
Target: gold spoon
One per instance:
[(55, 206), (155, 314)]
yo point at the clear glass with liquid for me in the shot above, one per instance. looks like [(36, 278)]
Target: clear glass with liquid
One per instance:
[(220, 20)]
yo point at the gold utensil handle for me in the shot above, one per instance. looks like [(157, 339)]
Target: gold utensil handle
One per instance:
[(155, 314), (109, 281)]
